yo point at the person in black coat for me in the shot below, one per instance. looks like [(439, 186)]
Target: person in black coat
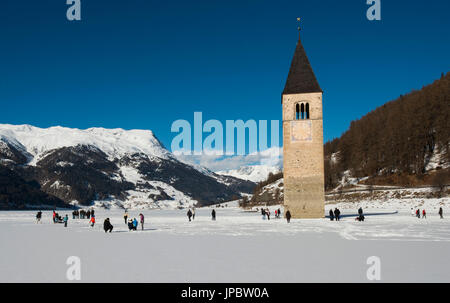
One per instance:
[(441, 213), (189, 214), (288, 216), (331, 215), (213, 215), (130, 225), (337, 213), (360, 213), (38, 216), (107, 226)]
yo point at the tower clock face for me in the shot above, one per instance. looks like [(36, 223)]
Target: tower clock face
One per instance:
[(301, 131)]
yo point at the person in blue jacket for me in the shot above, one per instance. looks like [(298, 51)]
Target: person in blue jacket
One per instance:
[(135, 224), (66, 218)]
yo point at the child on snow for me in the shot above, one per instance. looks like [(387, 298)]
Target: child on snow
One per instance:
[(66, 218), (92, 221)]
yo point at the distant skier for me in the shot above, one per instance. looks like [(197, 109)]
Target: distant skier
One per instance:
[(213, 215), (331, 215), (135, 224), (441, 213), (141, 220), (288, 216), (337, 214), (418, 213), (92, 221), (125, 217), (107, 226), (189, 214), (38, 217), (424, 214), (66, 218)]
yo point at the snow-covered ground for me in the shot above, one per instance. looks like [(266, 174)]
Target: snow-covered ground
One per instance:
[(239, 247)]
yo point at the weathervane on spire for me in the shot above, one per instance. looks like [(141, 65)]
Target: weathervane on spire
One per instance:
[(298, 20)]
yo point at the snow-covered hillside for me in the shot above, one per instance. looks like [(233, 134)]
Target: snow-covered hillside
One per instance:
[(104, 167), (255, 173), (113, 142)]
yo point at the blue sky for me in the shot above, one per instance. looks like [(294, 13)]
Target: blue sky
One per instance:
[(143, 64)]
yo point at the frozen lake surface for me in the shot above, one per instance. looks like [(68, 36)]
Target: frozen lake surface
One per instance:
[(238, 247)]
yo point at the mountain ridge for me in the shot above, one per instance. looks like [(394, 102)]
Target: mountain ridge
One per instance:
[(94, 167)]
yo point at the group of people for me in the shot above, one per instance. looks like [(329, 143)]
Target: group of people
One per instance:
[(83, 214), (417, 213), (336, 214), (191, 214), (133, 223), (56, 218), (265, 212)]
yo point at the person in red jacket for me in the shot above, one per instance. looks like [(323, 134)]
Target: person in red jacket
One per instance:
[(92, 221), (424, 214)]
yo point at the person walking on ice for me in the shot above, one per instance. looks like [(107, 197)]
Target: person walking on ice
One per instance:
[(189, 214), (141, 220), (66, 218), (424, 214), (92, 221), (441, 213), (125, 217), (135, 224), (331, 215), (288, 216), (213, 215), (193, 213), (38, 217), (337, 214)]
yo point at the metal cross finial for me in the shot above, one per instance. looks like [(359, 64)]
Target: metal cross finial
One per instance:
[(298, 20)]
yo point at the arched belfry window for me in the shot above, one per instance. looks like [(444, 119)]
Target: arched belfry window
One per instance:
[(302, 111)]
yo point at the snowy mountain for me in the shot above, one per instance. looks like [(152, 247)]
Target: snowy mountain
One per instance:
[(104, 167), (254, 173)]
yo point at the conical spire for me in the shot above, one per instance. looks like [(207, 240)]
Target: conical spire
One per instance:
[(301, 78)]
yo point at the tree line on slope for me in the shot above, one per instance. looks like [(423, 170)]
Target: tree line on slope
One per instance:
[(396, 140)]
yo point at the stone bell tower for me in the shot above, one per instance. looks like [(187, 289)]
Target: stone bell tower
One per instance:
[(303, 161)]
